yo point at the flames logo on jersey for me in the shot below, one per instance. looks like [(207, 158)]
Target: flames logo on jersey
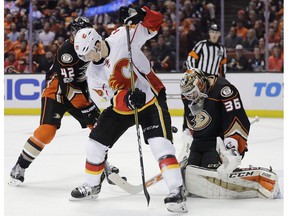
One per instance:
[(120, 78), (199, 121)]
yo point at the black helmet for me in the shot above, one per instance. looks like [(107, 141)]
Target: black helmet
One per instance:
[(79, 23), (215, 27)]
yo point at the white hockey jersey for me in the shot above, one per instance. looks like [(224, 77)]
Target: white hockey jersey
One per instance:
[(111, 79)]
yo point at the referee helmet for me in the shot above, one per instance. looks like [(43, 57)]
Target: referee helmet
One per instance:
[(215, 27)]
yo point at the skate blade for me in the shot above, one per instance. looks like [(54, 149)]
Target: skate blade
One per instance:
[(91, 197), (177, 207), (15, 182)]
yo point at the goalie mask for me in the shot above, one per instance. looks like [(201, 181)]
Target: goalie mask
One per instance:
[(193, 87), (86, 44)]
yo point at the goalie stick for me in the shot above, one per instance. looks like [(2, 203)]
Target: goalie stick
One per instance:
[(134, 189)]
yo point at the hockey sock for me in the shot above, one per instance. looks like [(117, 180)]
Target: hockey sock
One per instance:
[(34, 145), (171, 172), (94, 173), (29, 153)]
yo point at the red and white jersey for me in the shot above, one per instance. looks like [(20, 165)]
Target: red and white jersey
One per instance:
[(111, 79)]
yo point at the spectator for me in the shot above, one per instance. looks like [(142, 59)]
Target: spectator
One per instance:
[(252, 17), (277, 27), (21, 53), (251, 40), (22, 22), (262, 46), (162, 56), (259, 29), (259, 6), (8, 22), (187, 10), (36, 14), (240, 18), (170, 40), (231, 40), (46, 37), (257, 63), (11, 64), (45, 63), (273, 38), (61, 32), (275, 62), (147, 52), (54, 47), (240, 62), (38, 53), (14, 34), (241, 31), (24, 65), (171, 9), (8, 45)]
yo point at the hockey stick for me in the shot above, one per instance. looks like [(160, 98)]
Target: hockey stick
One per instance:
[(134, 189), (136, 117)]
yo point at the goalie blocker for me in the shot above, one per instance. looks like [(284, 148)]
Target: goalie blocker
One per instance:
[(249, 182)]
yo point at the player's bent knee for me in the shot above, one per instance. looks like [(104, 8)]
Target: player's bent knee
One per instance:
[(95, 151), (44, 134), (161, 146)]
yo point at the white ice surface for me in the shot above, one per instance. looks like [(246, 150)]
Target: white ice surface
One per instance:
[(60, 168)]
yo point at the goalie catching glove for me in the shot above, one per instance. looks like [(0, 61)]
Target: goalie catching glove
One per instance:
[(91, 114), (131, 15), (230, 156), (136, 99)]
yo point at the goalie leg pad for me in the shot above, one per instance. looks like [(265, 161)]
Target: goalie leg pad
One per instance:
[(244, 183)]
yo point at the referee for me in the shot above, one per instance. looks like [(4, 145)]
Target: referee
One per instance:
[(209, 55)]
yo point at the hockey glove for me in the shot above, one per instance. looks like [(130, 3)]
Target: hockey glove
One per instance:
[(136, 99), (230, 157), (131, 15), (91, 114)]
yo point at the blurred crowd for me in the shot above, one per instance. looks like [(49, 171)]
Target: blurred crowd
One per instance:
[(245, 41)]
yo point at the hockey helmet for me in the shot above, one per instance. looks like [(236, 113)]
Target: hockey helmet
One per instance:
[(85, 43), (79, 23), (193, 85), (215, 27)]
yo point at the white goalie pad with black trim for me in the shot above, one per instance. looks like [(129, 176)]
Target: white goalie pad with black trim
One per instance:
[(244, 183)]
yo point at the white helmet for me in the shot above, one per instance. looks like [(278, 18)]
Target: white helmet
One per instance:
[(85, 41)]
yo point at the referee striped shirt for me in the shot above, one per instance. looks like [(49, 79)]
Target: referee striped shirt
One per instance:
[(208, 57)]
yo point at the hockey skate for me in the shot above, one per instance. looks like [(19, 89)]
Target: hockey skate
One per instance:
[(176, 201), (85, 192), (17, 175)]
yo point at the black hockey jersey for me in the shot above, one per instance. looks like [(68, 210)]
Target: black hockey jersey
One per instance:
[(223, 114), (70, 71)]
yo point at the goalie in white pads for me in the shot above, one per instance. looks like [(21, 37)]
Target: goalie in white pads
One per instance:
[(220, 129)]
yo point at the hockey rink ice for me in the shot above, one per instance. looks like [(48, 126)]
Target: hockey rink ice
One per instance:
[(60, 168)]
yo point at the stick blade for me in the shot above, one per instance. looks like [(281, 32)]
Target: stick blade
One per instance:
[(126, 186)]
